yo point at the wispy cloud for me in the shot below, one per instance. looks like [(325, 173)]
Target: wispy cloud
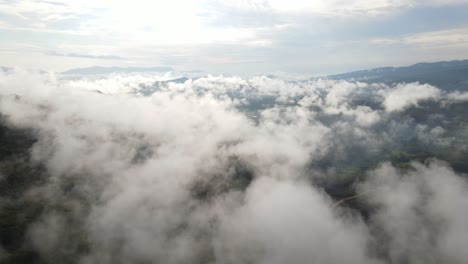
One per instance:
[(441, 38), (89, 56)]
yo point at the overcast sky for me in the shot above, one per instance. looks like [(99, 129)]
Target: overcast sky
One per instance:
[(232, 37)]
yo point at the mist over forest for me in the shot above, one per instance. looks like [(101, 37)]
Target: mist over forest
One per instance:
[(163, 167)]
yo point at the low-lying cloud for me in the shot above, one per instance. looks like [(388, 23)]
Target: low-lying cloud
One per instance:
[(229, 170)]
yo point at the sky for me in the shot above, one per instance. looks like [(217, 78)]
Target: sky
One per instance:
[(243, 37)]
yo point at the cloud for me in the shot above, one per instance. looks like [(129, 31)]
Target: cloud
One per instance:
[(420, 212), (290, 222), (88, 56), (336, 7), (457, 37), (458, 96), (222, 169), (404, 95)]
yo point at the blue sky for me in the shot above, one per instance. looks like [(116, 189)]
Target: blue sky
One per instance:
[(232, 37)]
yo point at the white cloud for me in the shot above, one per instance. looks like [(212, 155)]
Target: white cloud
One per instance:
[(404, 95), (175, 23), (434, 39), (156, 178), (337, 7), (420, 212), (290, 222), (458, 96)]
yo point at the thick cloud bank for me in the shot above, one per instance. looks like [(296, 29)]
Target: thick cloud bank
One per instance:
[(138, 169)]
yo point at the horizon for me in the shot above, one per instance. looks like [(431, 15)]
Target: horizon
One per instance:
[(158, 68)]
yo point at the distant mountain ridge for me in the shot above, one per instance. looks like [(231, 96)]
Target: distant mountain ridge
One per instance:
[(445, 74), (107, 70)]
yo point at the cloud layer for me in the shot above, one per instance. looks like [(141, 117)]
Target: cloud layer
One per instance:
[(231, 170)]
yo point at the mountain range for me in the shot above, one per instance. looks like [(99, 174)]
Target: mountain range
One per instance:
[(448, 75)]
